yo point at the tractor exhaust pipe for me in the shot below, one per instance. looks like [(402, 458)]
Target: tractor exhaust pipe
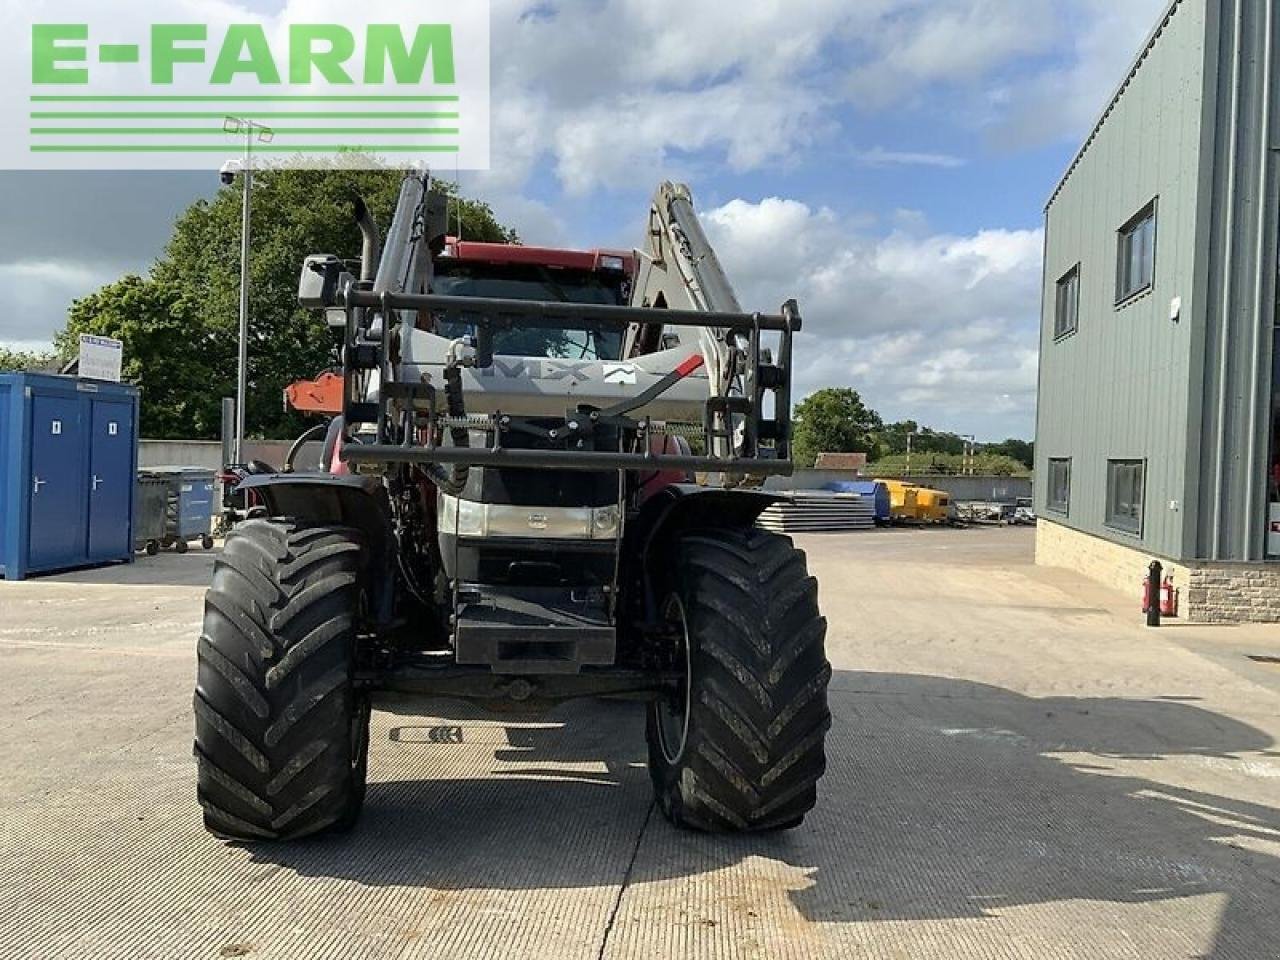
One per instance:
[(372, 247)]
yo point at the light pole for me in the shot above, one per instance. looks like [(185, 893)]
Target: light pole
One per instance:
[(251, 131), (910, 434), (970, 451)]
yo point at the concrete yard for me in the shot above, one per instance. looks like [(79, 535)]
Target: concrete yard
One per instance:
[(1017, 769)]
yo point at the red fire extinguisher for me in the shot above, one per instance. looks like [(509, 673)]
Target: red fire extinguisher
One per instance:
[(1168, 598)]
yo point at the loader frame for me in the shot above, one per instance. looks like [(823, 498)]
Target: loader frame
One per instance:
[(405, 412)]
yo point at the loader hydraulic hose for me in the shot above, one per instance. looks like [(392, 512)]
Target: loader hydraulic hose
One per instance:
[(315, 433), (371, 237), (453, 479)]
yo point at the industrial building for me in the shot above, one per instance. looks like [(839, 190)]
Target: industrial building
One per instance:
[(1157, 425)]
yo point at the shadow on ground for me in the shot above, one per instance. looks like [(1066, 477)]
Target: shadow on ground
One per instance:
[(167, 569), (944, 798)]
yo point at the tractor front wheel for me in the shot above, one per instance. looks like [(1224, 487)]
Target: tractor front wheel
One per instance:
[(282, 733), (740, 746)]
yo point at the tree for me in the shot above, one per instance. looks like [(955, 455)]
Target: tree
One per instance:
[(180, 325), (948, 464), (834, 420), (20, 361), (182, 362), (1024, 451)]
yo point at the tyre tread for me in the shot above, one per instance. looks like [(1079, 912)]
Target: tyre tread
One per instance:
[(274, 697), (759, 712)]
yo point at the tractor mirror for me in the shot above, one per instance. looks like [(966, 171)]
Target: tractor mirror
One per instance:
[(320, 282)]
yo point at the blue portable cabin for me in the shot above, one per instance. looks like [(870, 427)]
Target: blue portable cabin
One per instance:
[(67, 480), (867, 488)]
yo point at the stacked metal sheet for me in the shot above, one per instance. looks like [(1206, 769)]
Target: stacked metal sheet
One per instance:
[(815, 511)]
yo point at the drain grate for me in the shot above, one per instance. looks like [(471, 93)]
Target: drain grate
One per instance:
[(1258, 658)]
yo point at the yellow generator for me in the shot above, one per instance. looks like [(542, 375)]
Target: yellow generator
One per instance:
[(932, 506), (917, 504), (902, 499)]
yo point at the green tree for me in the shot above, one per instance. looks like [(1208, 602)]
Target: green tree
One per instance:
[(834, 420), (182, 362), (947, 464), (180, 325), (893, 440), (1024, 451), (20, 361)]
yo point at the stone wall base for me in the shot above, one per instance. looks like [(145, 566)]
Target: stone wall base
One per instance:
[(1210, 592)]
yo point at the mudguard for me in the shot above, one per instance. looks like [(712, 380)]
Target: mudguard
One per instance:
[(341, 501), (675, 510)]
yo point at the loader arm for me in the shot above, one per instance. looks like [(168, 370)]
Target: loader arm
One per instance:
[(407, 370), (679, 270)]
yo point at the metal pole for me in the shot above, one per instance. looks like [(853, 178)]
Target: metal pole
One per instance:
[(242, 380), (1155, 579), (909, 436), (228, 431)]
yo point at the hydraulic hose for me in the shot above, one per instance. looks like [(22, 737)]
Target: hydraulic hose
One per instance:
[(315, 433), (452, 479)]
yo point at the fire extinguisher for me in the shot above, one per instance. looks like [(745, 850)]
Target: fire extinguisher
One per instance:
[(1168, 598)]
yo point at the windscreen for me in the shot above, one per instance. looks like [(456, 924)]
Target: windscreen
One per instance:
[(533, 282)]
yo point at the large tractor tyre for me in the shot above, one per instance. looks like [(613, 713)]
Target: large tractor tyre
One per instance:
[(282, 735), (741, 747)]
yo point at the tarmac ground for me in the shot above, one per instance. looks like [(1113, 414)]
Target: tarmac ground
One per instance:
[(1017, 768)]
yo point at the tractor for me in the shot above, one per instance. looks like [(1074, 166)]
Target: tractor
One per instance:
[(541, 482)]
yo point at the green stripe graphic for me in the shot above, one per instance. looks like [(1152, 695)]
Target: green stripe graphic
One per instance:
[(243, 99), (195, 148), (254, 115), (203, 132)]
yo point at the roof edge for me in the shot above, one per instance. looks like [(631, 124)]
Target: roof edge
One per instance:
[(1143, 53)]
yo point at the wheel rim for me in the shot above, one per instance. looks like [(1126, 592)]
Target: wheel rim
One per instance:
[(673, 711), (359, 742)]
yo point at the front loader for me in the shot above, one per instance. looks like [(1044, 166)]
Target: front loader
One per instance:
[(543, 485)]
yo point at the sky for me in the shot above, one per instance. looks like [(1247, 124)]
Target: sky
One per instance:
[(885, 162)]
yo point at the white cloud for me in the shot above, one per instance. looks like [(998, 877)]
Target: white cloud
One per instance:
[(948, 41), (616, 91), (1065, 99), (611, 93), (40, 292), (937, 327), (880, 157)]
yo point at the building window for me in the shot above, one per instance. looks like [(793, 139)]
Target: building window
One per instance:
[(1059, 486), (1066, 312), (1136, 259), (1125, 486)]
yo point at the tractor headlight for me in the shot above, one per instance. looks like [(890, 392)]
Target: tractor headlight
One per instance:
[(466, 518), (604, 523), (473, 519)]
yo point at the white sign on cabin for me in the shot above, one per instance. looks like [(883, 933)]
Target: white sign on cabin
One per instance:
[(101, 358)]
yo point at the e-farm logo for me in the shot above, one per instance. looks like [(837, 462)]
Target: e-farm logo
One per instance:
[(399, 81)]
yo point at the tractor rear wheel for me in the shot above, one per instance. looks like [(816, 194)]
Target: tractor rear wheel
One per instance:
[(741, 747), (282, 734)]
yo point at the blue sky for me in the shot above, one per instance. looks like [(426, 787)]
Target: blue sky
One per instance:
[(885, 161)]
